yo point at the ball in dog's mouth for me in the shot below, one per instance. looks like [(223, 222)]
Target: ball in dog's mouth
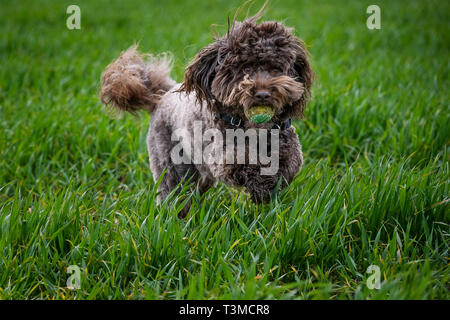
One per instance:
[(259, 114)]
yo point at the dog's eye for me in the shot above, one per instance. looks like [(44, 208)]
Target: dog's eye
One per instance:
[(276, 72), (247, 70)]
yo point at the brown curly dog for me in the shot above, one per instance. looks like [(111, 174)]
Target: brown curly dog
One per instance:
[(253, 65)]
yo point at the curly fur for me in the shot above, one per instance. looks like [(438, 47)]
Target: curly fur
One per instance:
[(217, 70), (224, 77), (135, 81)]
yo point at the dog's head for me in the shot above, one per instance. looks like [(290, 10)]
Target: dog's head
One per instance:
[(253, 65)]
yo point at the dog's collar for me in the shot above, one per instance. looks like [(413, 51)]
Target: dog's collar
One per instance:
[(236, 122)]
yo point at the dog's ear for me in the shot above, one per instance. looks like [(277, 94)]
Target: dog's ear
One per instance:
[(200, 74), (303, 74)]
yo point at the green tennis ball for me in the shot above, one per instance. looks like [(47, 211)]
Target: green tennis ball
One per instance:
[(259, 114), (260, 118)]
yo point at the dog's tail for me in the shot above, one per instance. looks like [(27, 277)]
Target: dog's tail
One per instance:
[(136, 81)]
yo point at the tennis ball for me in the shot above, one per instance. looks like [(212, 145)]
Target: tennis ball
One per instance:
[(259, 114)]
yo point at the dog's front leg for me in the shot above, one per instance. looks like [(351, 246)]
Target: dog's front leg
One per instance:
[(160, 146)]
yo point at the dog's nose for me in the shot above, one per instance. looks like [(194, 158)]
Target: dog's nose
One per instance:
[(262, 95)]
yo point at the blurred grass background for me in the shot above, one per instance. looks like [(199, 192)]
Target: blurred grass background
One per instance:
[(75, 188)]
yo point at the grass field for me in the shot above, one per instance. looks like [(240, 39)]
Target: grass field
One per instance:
[(75, 187)]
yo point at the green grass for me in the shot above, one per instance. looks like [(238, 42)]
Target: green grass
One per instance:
[(75, 188)]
